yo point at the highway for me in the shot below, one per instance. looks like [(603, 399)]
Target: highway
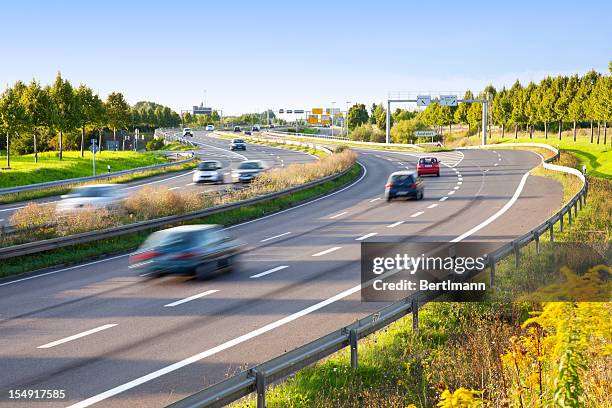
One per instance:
[(112, 338), (209, 148)]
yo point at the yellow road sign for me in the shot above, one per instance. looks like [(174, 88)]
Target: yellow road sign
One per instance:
[(317, 111)]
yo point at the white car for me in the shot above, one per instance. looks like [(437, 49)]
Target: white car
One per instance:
[(208, 171), (187, 132), (210, 128), (107, 196), (247, 171)]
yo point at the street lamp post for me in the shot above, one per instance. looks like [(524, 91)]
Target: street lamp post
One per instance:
[(332, 119), (346, 118)]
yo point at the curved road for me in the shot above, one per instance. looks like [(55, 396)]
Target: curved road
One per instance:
[(112, 338)]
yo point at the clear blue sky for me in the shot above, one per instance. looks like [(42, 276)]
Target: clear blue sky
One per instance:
[(251, 55)]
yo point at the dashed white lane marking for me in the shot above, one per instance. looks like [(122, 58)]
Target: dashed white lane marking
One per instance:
[(1, 219), (269, 271), (416, 214), (375, 199), (496, 164), (275, 236), (327, 251), (173, 188), (451, 192), (13, 208), (460, 182), (189, 184), (338, 215), (456, 188), (443, 199), (395, 224), (432, 205), (366, 236), (460, 178), (190, 298), (76, 336), (499, 159)]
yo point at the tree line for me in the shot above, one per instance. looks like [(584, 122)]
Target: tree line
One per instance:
[(37, 118), (555, 103)]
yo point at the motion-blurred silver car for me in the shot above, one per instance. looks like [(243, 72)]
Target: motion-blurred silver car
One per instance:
[(208, 172), (186, 250), (248, 170), (109, 196)]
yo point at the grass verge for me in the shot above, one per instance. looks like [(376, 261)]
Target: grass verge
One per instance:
[(87, 251)]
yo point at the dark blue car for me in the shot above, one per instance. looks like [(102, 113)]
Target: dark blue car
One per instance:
[(404, 184), (188, 249)]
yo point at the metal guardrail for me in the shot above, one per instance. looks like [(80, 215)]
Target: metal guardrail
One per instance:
[(48, 244), (348, 141), (256, 378), (105, 176)]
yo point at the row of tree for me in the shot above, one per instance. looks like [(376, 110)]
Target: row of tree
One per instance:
[(31, 111), (577, 100)]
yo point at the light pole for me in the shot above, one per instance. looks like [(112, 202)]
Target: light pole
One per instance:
[(332, 119), (346, 118)]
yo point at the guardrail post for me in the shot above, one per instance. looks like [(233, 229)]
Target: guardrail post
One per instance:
[(552, 232), (353, 344), (260, 385), (415, 316), (569, 215), (580, 201), (575, 209), (561, 220), (517, 255), (536, 238)]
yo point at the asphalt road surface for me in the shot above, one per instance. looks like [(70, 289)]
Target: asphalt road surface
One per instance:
[(209, 148), (112, 338)]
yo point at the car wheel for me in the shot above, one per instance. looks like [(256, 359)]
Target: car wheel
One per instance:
[(421, 196), (438, 174), (389, 198)]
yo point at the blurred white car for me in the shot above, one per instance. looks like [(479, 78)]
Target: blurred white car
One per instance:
[(247, 171), (208, 171), (210, 127), (107, 196)]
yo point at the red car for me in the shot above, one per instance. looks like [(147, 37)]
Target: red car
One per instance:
[(428, 165)]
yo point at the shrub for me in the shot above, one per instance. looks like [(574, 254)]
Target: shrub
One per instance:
[(89, 219), (155, 144), (148, 203), (362, 133)]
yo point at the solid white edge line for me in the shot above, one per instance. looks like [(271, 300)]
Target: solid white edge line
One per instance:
[(375, 199), (416, 214), (395, 224), (365, 171), (366, 236), (173, 188), (327, 251), (269, 271), (275, 236), (190, 298), (338, 215), (76, 336), (273, 325), (12, 208)]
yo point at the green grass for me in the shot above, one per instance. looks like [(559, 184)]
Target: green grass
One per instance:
[(54, 191), (177, 146), (50, 168), (87, 251)]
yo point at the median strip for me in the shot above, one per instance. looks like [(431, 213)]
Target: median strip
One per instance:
[(76, 336)]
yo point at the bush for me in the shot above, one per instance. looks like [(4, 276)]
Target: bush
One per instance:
[(148, 203), (362, 133), (155, 144)]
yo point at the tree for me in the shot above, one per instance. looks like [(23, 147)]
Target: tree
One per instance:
[(91, 108), (532, 97), (117, 113), (567, 91), (460, 114), (66, 108), (40, 109), (501, 109), (576, 112), (404, 130), (475, 115), (13, 115), (373, 115), (517, 97), (588, 83), (357, 115)]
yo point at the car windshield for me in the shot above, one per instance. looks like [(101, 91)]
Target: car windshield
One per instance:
[(428, 161), (238, 141), (93, 192), (207, 166), (249, 166), (187, 129)]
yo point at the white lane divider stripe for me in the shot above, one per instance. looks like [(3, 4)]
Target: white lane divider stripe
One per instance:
[(366, 236), (338, 215), (76, 336), (395, 224), (275, 236), (13, 208), (375, 199), (451, 192), (269, 271), (460, 182), (189, 184), (416, 214), (456, 188), (327, 251), (496, 164), (270, 326), (173, 188), (190, 298), (443, 199), (432, 205)]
